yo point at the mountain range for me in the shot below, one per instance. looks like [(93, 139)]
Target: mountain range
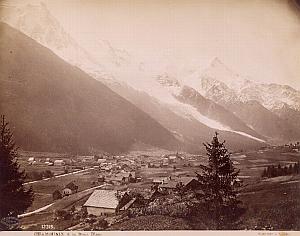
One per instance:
[(184, 111), (55, 106)]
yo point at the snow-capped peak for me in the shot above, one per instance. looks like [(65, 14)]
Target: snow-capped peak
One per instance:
[(219, 83), (37, 22), (219, 71)]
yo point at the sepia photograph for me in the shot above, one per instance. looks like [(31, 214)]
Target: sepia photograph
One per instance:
[(177, 116)]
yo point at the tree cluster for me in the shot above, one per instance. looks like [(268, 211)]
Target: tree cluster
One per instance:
[(274, 171), (38, 175)]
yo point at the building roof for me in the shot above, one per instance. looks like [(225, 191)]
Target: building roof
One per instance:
[(161, 179), (127, 205), (170, 184), (56, 161), (147, 194), (126, 174), (72, 186), (103, 199), (186, 180)]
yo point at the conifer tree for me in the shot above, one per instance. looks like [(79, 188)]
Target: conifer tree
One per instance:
[(14, 198), (220, 184)]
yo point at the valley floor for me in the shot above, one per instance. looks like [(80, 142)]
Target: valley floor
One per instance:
[(272, 203)]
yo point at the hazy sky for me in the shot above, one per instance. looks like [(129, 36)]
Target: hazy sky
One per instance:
[(257, 38)]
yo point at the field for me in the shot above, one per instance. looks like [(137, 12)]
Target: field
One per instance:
[(271, 203)]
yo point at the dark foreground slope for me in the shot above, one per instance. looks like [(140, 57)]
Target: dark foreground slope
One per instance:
[(54, 106)]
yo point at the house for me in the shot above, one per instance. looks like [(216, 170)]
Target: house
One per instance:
[(127, 177), (31, 159), (168, 187), (138, 179), (59, 163), (172, 157), (73, 187), (163, 180), (56, 195), (123, 178), (105, 203), (116, 179), (69, 189), (171, 185), (101, 178), (149, 195), (165, 162), (127, 205), (87, 158), (189, 182), (66, 192), (101, 160), (126, 167)]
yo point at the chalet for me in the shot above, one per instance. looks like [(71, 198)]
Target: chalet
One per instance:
[(101, 160), (138, 179), (126, 167), (189, 182), (128, 177), (59, 163), (149, 195), (171, 185), (172, 158), (101, 178), (165, 162), (105, 203), (66, 192), (87, 158), (72, 186), (116, 179), (154, 165), (163, 180)]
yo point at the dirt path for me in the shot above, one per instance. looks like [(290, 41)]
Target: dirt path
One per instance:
[(59, 176), (51, 204)]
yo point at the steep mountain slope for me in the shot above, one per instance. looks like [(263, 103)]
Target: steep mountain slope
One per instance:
[(37, 22), (288, 115), (54, 106), (183, 125), (206, 111), (264, 121), (214, 111)]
